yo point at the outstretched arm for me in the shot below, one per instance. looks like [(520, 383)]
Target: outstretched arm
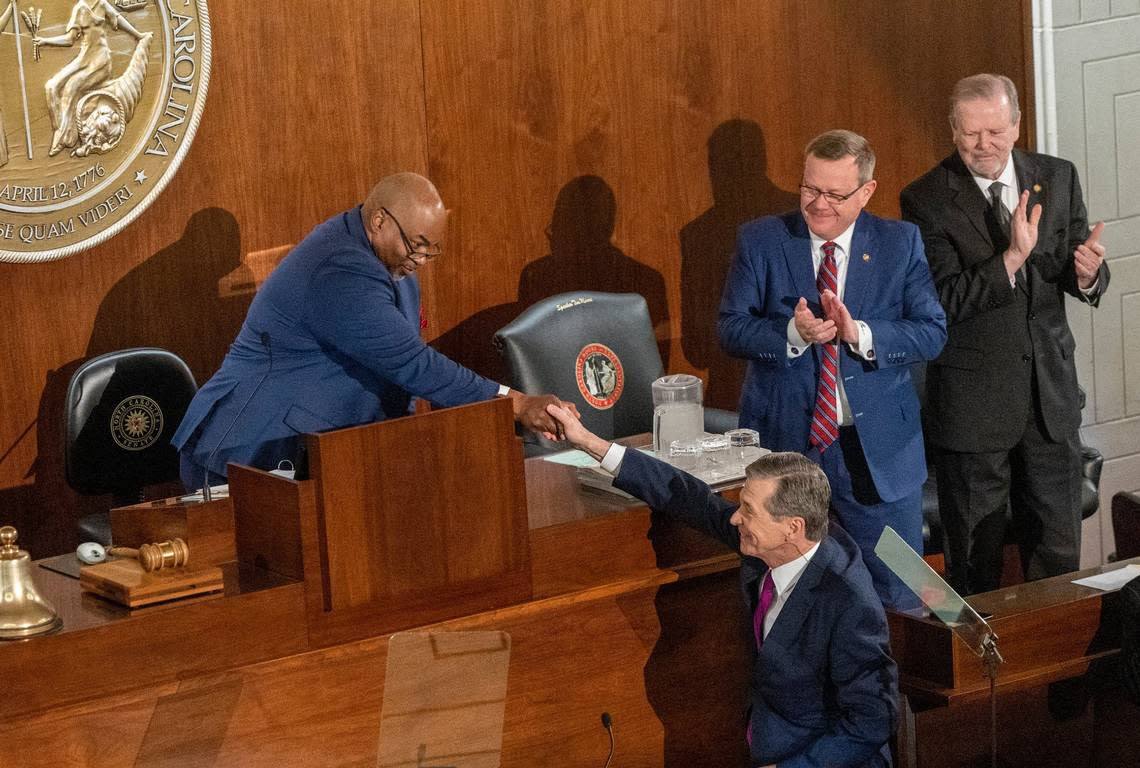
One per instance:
[(663, 487)]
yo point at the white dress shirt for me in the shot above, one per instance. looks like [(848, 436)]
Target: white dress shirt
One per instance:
[(1010, 197), (784, 578), (865, 346), (1009, 194)]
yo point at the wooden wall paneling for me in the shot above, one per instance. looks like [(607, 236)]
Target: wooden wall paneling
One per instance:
[(640, 133), (309, 104), (618, 145)]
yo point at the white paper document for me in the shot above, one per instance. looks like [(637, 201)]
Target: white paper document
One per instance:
[(1110, 580)]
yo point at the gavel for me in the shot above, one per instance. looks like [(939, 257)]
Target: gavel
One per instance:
[(155, 557)]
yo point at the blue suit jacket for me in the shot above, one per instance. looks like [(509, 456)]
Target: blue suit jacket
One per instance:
[(824, 687), (337, 340), (888, 287)]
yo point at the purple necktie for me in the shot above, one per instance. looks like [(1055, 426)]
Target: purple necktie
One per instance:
[(767, 595), (825, 419)]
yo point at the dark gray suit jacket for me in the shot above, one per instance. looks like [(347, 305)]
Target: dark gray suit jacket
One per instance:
[(979, 389)]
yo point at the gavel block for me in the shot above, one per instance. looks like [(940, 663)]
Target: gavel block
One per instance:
[(126, 582), (208, 529)]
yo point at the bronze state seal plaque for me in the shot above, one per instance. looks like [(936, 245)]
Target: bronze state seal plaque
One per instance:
[(99, 101)]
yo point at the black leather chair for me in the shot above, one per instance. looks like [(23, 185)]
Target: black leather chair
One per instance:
[(597, 350), (120, 411), (1126, 525)]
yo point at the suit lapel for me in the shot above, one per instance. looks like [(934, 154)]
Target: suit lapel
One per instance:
[(791, 618), (1026, 171), (967, 196), (858, 270), (797, 254)]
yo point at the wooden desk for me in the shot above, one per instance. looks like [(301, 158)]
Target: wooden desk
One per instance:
[(631, 614), (1047, 630)]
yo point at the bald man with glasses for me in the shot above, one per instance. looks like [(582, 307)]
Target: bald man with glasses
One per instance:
[(831, 306), (332, 340)]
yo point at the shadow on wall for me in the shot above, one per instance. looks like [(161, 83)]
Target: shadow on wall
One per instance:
[(189, 298), (741, 191), (581, 258), (177, 300)]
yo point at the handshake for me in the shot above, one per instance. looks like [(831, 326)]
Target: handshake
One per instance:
[(533, 413)]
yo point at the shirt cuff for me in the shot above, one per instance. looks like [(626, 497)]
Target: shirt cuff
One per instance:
[(796, 344), (504, 390), (865, 347), (1091, 289), (611, 462)]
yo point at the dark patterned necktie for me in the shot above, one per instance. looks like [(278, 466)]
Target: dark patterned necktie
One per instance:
[(1001, 215), (1002, 219), (825, 419)]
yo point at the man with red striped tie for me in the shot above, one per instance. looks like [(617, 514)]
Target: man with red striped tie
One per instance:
[(831, 306)]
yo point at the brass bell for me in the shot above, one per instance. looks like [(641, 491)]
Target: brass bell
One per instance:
[(23, 613)]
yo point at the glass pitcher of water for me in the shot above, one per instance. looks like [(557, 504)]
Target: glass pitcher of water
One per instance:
[(678, 413)]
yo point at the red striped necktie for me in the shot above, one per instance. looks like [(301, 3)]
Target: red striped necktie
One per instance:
[(825, 419)]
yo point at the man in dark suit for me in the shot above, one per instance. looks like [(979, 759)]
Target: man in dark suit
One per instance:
[(1007, 237), (824, 687), (332, 339), (831, 306)]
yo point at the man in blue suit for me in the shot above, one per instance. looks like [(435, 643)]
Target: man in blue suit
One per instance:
[(332, 339), (831, 306), (823, 688)]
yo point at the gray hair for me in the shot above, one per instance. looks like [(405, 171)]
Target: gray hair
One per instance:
[(838, 144), (802, 489), (983, 86)]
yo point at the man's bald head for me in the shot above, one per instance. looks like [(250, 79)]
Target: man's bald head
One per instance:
[(405, 218), (403, 190)]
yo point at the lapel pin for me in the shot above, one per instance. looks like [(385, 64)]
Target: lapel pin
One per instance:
[(1036, 188), (866, 257)]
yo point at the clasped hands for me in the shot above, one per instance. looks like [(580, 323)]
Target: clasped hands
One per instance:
[(531, 412), (836, 320), (1087, 258)]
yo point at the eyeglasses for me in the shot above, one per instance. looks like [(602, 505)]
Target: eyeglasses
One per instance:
[(420, 254), (811, 193)]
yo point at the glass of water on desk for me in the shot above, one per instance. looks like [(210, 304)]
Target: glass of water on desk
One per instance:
[(685, 454), (744, 445), (715, 459)]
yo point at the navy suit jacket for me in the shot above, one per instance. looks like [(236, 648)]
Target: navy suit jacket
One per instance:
[(823, 689), (888, 286), (331, 340)]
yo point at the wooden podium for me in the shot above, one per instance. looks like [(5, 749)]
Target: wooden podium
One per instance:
[(402, 523)]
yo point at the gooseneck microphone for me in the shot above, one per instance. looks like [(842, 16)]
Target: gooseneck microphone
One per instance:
[(207, 495), (608, 724)]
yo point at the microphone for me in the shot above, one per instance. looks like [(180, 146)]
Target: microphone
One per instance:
[(608, 724), (207, 494)]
